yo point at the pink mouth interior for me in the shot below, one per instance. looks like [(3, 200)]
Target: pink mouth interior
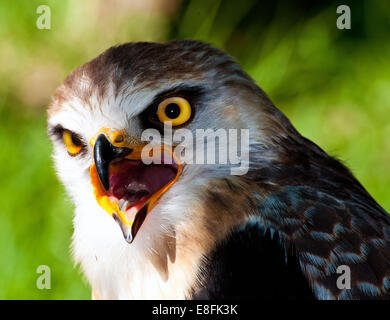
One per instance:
[(132, 183)]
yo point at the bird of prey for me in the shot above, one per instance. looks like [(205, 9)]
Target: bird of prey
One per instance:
[(291, 227)]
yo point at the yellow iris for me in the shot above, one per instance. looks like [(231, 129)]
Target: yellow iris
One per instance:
[(70, 144), (176, 110)]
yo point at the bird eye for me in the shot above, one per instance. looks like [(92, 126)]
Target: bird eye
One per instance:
[(72, 143), (176, 110)]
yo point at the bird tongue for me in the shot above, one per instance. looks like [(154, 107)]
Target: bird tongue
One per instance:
[(132, 183)]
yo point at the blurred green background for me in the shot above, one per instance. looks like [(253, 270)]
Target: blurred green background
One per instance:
[(333, 84)]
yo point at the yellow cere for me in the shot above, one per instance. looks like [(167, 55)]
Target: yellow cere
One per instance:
[(69, 143), (117, 138), (176, 110)]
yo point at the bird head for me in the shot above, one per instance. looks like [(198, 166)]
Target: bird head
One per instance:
[(101, 121)]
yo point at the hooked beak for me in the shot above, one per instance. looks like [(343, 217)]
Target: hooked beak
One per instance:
[(124, 186), (104, 153)]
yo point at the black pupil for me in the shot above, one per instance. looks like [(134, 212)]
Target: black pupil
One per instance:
[(172, 110), (76, 141)]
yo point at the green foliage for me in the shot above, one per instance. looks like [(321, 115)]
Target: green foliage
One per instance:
[(333, 84)]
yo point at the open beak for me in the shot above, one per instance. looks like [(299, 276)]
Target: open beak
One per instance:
[(124, 185)]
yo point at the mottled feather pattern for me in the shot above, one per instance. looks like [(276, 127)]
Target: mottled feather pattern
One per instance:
[(327, 219)]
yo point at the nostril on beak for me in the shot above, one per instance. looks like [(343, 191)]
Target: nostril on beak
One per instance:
[(120, 138)]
